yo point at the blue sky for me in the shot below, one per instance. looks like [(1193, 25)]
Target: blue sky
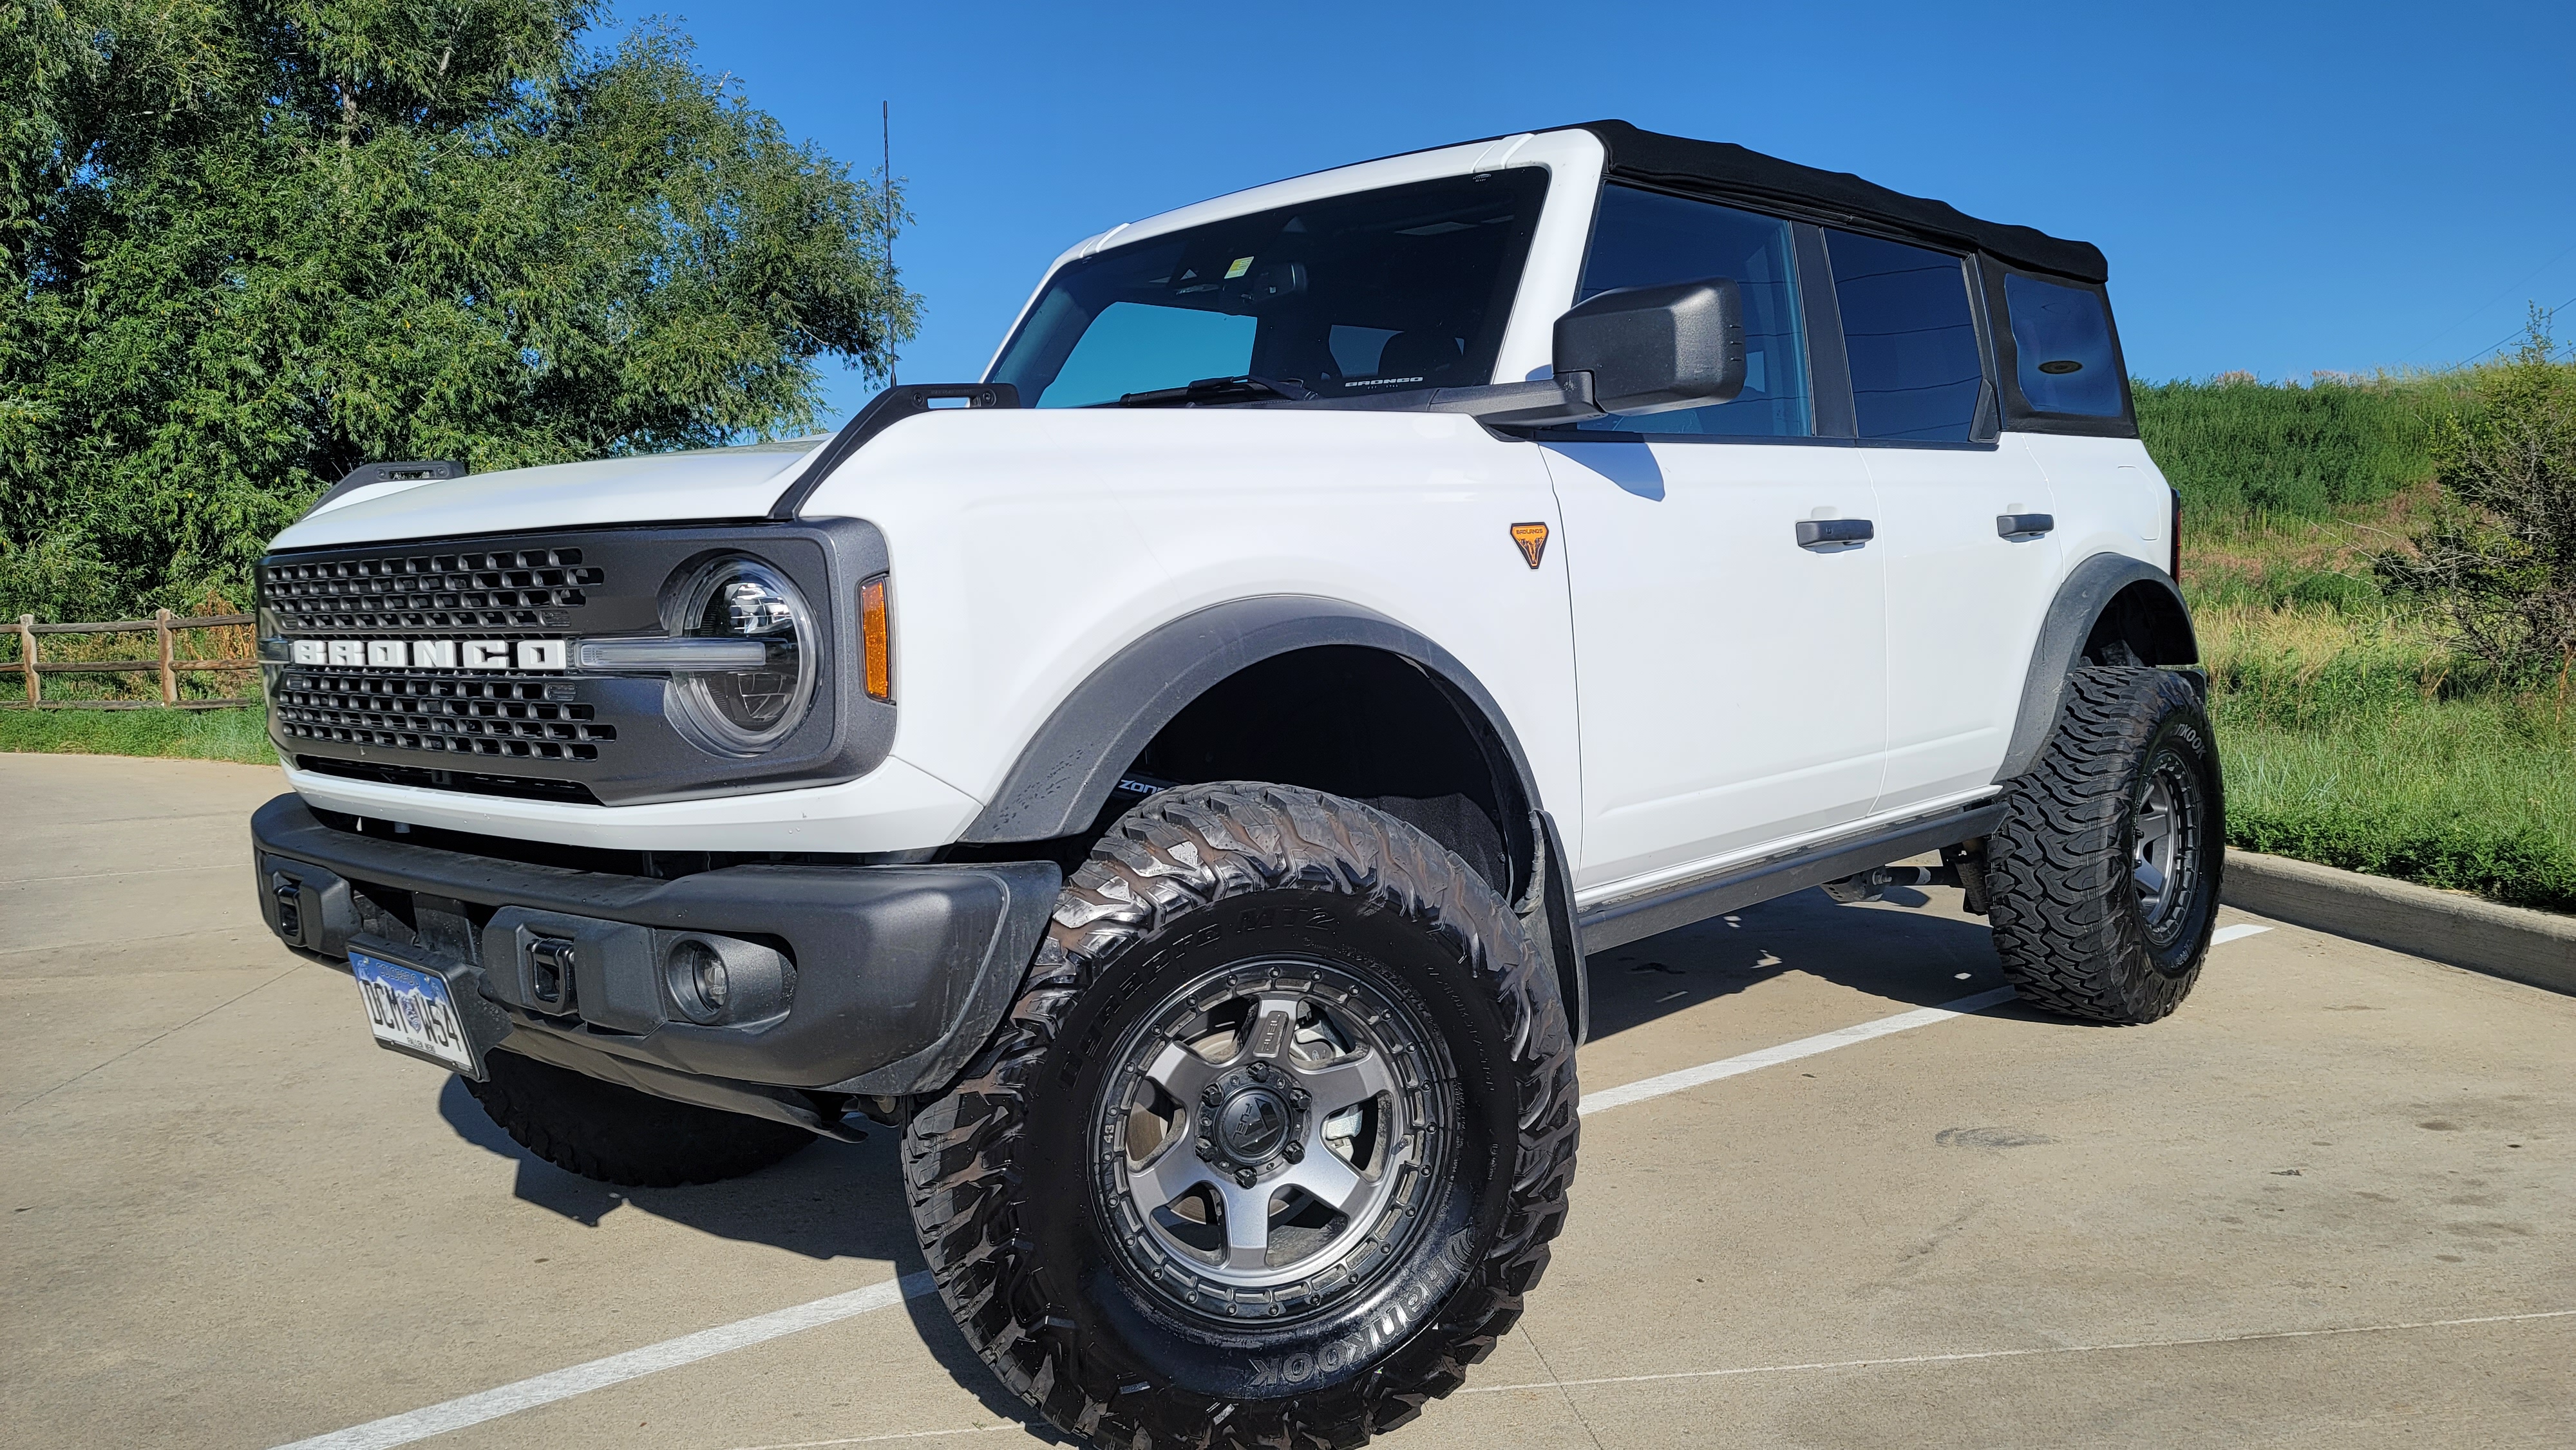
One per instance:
[(2280, 188)]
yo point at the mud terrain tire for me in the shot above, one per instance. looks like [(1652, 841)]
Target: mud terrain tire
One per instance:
[(1224, 883), (2072, 867), (618, 1135)]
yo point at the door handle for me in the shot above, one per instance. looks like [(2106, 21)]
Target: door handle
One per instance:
[(2023, 526), (1826, 533)]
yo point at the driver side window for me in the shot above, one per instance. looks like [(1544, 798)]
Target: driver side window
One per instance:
[(1643, 238)]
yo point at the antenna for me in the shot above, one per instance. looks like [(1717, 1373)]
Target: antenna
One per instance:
[(885, 136)]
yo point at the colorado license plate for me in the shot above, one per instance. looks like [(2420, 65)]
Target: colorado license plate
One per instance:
[(411, 1011)]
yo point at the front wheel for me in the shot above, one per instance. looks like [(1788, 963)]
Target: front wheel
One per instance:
[(2104, 874), (1273, 1141)]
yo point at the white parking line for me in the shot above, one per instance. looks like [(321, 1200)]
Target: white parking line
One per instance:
[(599, 1374), (2239, 932), (1707, 1072), (563, 1384), (1701, 1374)]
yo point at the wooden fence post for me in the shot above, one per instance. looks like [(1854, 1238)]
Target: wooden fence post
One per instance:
[(169, 676), (27, 658)]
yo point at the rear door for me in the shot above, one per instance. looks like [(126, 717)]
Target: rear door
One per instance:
[(1731, 683), (1964, 591)]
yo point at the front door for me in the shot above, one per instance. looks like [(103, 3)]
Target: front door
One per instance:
[(1731, 684), (1731, 680)]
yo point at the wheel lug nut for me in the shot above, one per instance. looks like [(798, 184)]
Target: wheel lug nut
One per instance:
[(1296, 1152), (1244, 1176)]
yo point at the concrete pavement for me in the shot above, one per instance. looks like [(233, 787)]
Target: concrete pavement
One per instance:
[(2323, 1204)]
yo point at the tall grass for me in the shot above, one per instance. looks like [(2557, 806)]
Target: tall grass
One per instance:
[(2356, 740), (237, 735), (2351, 735), (2243, 451)]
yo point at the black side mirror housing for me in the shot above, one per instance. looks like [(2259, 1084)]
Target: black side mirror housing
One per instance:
[(1629, 350), (1656, 349)]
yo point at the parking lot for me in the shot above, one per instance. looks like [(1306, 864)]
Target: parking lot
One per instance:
[(2327, 1203)]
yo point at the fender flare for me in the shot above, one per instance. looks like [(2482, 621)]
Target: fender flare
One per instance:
[(2087, 591), (1068, 768)]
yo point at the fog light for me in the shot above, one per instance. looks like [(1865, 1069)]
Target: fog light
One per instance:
[(699, 982)]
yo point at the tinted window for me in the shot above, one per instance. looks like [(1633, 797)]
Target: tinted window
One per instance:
[(1914, 366), (1643, 238), (2062, 347), (1379, 291)]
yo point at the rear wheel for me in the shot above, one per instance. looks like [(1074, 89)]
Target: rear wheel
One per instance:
[(618, 1135), (2104, 874), (1273, 1142)]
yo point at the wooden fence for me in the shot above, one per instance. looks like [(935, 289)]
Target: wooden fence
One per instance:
[(162, 625)]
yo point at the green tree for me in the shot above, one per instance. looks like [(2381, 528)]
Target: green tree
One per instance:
[(252, 245), (2499, 554)]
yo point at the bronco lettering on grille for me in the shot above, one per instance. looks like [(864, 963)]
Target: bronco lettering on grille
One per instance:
[(433, 654)]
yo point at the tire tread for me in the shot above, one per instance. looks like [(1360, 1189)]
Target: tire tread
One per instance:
[(1178, 852)]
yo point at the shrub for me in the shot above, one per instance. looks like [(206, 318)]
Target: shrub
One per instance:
[(2498, 557)]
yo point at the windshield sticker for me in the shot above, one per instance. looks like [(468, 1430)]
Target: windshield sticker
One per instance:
[(1241, 266)]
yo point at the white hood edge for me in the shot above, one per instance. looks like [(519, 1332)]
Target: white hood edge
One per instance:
[(721, 483)]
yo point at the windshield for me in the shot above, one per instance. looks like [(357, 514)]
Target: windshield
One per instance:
[(1381, 291)]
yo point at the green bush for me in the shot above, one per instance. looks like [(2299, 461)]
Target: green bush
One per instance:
[(2498, 558)]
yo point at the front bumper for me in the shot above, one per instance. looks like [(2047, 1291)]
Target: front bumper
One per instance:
[(887, 977)]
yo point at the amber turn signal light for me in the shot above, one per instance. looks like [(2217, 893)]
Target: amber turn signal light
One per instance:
[(875, 641)]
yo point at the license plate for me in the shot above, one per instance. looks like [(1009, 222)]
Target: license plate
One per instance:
[(412, 1011)]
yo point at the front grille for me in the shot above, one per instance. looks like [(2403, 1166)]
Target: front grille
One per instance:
[(425, 717), (417, 710), (502, 589)]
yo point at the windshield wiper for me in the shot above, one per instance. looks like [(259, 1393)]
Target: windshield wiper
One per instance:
[(1241, 388)]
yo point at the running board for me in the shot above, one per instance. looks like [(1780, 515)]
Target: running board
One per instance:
[(1624, 919)]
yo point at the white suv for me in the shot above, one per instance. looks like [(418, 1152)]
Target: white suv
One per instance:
[(1176, 786)]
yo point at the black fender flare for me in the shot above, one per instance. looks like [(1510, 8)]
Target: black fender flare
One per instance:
[(2081, 599), (1068, 768)]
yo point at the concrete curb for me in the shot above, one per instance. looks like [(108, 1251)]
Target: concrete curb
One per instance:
[(2538, 947)]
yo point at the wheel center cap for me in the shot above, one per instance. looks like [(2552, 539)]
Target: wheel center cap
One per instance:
[(1252, 1125)]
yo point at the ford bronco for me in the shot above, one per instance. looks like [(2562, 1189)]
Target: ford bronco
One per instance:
[(1172, 782)]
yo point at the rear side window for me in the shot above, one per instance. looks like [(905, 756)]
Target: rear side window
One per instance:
[(2063, 357), (1645, 238), (1915, 369)]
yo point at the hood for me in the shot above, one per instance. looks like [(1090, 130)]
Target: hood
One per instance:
[(716, 483)]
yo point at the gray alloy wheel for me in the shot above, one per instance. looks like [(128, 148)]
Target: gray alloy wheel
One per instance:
[(2164, 832), (1269, 1138), (1390, 1067)]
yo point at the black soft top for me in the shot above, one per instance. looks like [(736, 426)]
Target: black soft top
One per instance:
[(1722, 168)]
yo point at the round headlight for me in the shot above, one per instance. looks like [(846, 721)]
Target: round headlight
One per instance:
[(746, 710)]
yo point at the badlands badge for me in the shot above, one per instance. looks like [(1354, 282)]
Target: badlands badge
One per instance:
[(1533, 541)]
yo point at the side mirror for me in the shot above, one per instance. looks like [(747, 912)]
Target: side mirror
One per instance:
[(1655, 349)]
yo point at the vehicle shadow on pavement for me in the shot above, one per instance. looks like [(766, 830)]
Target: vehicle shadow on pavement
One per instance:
[(1899, 948), (833, 1200)]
